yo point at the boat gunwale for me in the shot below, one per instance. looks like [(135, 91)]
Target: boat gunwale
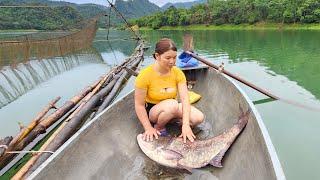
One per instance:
[(270, 147), (277, 168), (73, 137)]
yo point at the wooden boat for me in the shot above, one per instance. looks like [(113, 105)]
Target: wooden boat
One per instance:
[(106, 147)]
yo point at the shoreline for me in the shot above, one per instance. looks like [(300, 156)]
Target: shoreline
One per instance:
[(258, 26)]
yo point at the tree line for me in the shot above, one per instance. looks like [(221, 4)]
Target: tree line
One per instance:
[(51, 18), (218, 12), (60, 15)]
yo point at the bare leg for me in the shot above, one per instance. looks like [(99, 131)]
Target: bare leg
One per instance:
[(196, 116), (164, 112), (170, 109)]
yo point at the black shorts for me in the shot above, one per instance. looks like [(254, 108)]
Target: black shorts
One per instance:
[(148, 107)]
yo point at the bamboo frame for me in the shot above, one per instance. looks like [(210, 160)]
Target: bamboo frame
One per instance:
[(76, 119)]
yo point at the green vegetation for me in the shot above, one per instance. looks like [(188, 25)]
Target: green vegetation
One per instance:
[(136, 8), (185, 5), (257, 26), (48, 18), (219, 12), (40, 19), (61, 15)]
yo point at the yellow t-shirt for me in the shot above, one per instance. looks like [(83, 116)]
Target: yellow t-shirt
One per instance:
[(159, 87)]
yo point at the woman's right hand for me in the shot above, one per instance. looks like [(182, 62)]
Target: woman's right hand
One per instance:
[(149, 133)]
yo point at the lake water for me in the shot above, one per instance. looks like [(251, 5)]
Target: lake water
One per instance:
[(286, 63)]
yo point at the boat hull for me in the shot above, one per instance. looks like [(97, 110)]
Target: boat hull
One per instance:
[(106, 147)]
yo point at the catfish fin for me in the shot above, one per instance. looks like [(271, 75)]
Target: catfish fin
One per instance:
[(172, 154), (216, 161), (185, 167)]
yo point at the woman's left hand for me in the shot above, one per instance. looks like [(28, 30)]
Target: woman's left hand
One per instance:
[(187, 133)]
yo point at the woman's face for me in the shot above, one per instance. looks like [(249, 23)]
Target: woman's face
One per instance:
[(167, 60)]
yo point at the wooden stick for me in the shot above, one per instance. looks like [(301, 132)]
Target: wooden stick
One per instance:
[(65, 131), (72, 123), (24, 132), (20, 174), (116, 88), (69, 127), (131, 71), (252, 85), (88, 96), (233, 76), (188, 48), (42, 126), (67, 106)]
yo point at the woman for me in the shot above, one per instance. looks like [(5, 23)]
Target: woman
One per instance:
[(156, 90)]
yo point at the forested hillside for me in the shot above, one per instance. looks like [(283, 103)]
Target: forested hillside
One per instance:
[(219, 12), (136, 8), (186, 5), (61, 15)]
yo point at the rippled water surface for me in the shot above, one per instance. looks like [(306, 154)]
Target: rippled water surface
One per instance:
[(286, 63)]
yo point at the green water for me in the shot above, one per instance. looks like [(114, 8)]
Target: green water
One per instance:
[(286, 63)]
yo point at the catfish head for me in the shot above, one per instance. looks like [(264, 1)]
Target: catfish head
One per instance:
[(157, 151)]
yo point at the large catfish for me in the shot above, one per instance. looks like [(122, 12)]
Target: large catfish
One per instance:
[(172, 152)]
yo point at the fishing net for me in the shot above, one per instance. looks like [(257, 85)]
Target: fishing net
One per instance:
[(45, 45)]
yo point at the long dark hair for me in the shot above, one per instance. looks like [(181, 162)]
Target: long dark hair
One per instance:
[(164, 45)]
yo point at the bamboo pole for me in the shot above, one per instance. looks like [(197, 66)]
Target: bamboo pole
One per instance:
[(88, 96), (67, 129), (233, 76), (43, 125), (116, 88), (67, 106), (112, 94), (40, 128), (59, 136), (188, 48), (20, 174), (75, 120), (263, 91), (132, 72), (136, 60), (34, 141), (24, 132)]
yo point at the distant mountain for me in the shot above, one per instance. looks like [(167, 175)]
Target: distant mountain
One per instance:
[(53, 18), (86, 10), (185, 5), (136, 8), (37, 18)]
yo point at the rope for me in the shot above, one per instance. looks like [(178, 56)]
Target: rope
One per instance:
[(114, 54), (19, 152), (136, 67), (126, 80), (124, 19), (109, 23), (4, 146)]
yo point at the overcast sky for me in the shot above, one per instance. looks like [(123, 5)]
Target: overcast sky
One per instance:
[(104, 2)]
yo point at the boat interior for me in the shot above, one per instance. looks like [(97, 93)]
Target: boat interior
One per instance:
[(106, 147)]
